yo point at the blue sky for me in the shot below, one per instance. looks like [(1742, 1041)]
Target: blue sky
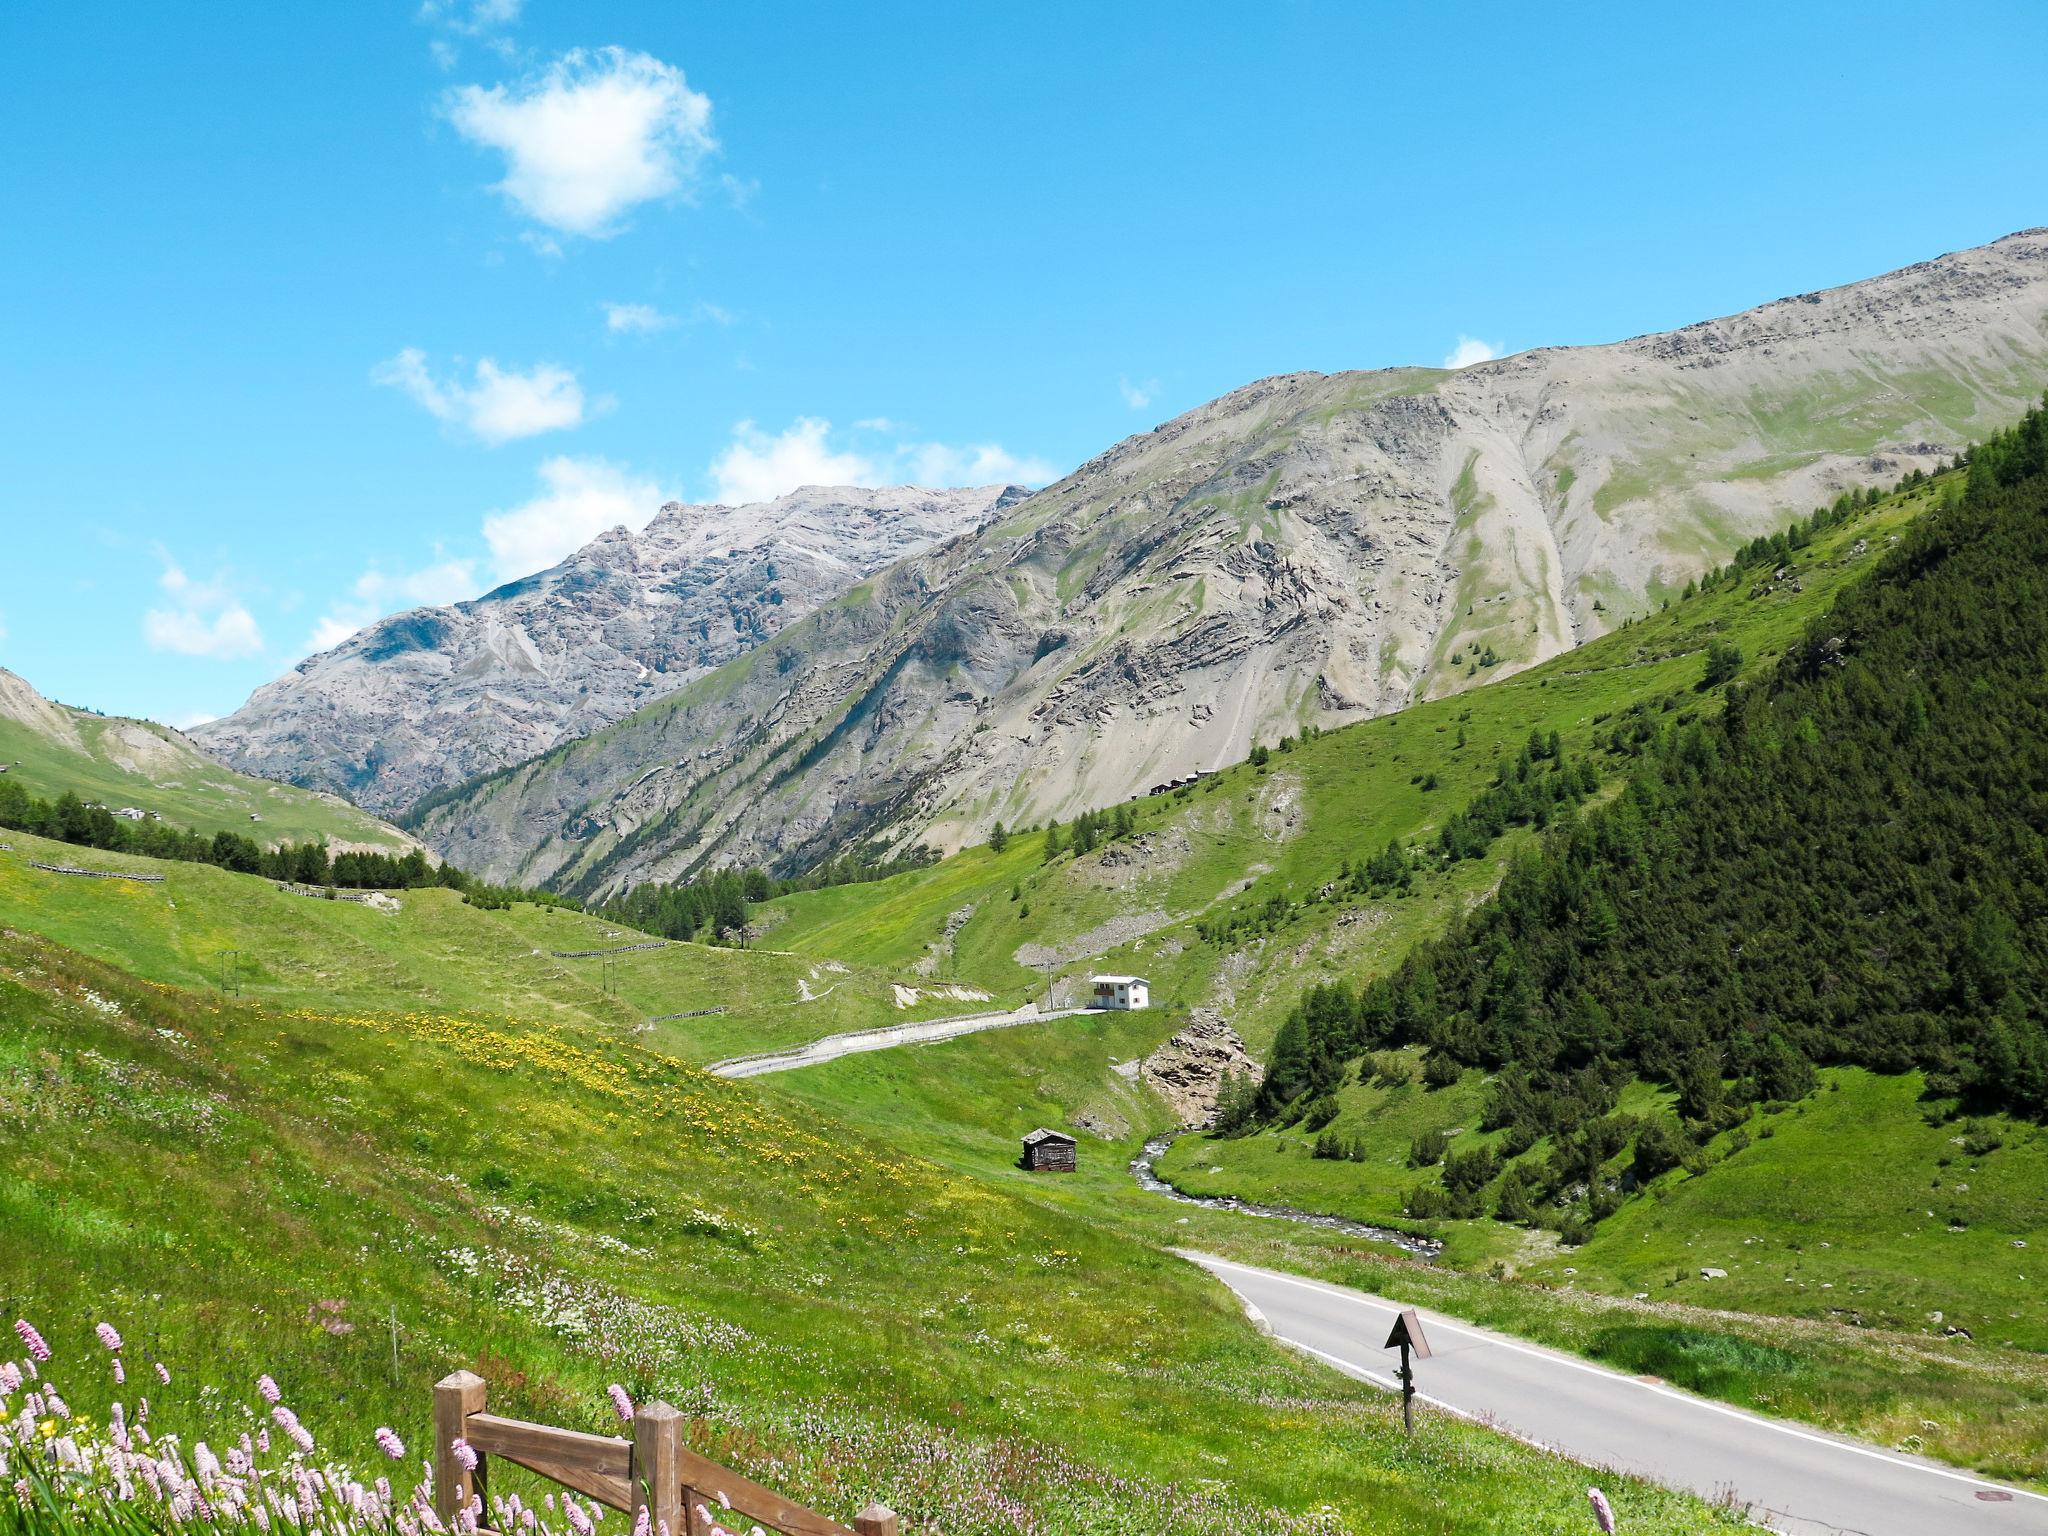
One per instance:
[(312, 312)]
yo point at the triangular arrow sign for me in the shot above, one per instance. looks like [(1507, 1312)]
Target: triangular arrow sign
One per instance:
[(1408, 1330)]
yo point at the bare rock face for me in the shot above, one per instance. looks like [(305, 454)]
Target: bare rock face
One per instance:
[(426, 699), (1189, 1070), (1308, 549)]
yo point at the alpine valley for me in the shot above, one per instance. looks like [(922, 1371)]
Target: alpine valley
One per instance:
[(1307, 550)]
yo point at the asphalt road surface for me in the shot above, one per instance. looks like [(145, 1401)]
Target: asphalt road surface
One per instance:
[(1791, 1478)]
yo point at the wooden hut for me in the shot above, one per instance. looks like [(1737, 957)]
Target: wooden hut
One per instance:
[(1048, 1152)]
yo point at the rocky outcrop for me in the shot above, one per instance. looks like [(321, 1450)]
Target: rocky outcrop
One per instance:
[(1190, 1069), (426, 699), (1308, 549)]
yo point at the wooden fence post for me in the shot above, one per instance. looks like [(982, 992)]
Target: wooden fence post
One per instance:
[(456, 1397), (658, 1468), (875, 1520)]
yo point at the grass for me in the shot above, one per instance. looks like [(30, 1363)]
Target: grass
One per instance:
[(440, 952), (1347, 793), (121, 762), (1856, 1169), (356, 1201)]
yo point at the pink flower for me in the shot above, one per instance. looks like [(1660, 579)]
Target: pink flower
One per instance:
[(269, 1389), (579, 1522), (289, 1423), (622, 1405), (163, 1373), (389, 1443), (1603, 1512), (31, 1340), (640, 1521), (465, 1456), (10, 1378), (108, 1336), (120, 1372)]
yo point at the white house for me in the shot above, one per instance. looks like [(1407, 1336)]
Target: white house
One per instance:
[(1120, 992)]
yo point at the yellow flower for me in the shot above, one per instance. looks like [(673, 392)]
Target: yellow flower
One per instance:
[(47, 1428)]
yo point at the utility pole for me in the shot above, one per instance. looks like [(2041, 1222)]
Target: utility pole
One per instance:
[(1407, 1334)]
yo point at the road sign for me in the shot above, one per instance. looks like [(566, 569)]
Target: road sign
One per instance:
[(1407, 1336)]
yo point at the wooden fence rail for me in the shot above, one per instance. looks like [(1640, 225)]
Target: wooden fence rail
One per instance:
[(654, 1469)]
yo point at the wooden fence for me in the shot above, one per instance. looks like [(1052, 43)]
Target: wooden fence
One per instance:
[(654, 1469)]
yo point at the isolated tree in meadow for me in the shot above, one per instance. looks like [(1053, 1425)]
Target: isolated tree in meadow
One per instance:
[(998, 838), (1723, 662)]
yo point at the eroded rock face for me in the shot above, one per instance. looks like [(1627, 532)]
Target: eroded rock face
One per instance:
[(1189, 1070), (1308, 549), (426, 699)]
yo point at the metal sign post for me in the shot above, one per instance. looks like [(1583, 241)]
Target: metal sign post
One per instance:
[(1407, 1333)]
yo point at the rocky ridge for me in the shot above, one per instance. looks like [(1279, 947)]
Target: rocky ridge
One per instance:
[(1308, 549), (425, 699)]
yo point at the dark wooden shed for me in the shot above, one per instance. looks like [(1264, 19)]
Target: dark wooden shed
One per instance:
[(1048, 1152)]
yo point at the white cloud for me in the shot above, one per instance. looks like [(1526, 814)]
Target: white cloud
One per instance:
[(1138, 396), (581, 499), (1471, 350), (204, 618), (500, 406), (377, 593), (482, 21), (590, 137), (759, 466), (474, 18), (636, 318), (971, 464), (194, 720)]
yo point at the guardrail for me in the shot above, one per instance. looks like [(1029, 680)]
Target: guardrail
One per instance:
[(94, 874), (654, 1470)]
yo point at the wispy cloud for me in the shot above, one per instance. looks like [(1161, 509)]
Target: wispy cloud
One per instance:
[(200, 618), (590, 137), (1137, 396), (475, 21), (377, 593), (579, 499), (1471, 350), (636, 318), (503, 404), (759, 465)]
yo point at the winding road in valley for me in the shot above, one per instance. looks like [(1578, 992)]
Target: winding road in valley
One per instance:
[(923, 1032), (1793, 1479)]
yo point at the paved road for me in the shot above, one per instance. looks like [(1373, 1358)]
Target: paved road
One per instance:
[(1794, 1479), (832, 1047)]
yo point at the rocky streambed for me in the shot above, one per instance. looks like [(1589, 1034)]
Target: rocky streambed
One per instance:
[(1144, 1170)]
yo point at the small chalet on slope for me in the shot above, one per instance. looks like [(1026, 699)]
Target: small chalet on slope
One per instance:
[(1120, 992), (1048, 1152)]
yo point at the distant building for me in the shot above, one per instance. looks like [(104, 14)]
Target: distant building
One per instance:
[(131, 813), (1120, 992), (1048, 1152), (254, 817)]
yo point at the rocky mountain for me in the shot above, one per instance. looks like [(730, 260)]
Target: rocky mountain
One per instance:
[(425, 699), (1308, 549)]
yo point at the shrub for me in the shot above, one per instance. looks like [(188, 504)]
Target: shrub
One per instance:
[(1427, 1150)]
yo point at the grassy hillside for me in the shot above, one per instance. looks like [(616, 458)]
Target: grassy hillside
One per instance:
[(1293, 826), (356, 1200), (437, 951), (121, 762)]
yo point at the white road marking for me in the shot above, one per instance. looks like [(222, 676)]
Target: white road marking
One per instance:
[(1437, 1320)]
